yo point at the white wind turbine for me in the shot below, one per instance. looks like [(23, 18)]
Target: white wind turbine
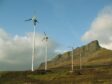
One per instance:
[(80, 60), (46, 40), (72, 59), (34, 20)]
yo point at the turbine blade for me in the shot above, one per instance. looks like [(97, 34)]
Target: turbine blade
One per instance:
[(44, 33), (28, 19)]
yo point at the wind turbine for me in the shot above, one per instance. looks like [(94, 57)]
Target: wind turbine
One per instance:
[(46, 40), (80, 60), (34, 20), (72, 61)]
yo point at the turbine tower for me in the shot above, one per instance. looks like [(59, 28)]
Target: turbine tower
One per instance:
[(72, 66), (34, 20), (46, 40), (72, 59), (80, 60)]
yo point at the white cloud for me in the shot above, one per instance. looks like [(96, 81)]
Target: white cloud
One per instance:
[(60, 51), (16, 52), (101, 28)]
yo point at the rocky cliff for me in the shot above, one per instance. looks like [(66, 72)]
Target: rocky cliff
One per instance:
[(88, 53)]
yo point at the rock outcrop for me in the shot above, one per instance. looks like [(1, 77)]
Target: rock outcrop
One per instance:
[(86, 52)]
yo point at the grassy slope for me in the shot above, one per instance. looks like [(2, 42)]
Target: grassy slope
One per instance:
[(101, 57), (93, 75), (97, 69)]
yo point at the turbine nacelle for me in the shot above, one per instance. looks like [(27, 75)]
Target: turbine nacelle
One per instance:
[(34, 20), (45, 38)]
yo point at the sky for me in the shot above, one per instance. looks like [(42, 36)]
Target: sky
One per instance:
[(66, 22)]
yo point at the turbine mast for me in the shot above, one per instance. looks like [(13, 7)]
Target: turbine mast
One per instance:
[(80, 60), (72, 60), (33, 50), (34, 20), (46, 57), (46, 40)]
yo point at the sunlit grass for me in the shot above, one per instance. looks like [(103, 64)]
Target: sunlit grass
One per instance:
[(95, 75)]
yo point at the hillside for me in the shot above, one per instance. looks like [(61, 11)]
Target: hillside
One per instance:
[(91, 54), (96, 69)]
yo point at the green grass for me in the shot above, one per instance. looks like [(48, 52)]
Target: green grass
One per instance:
[(89, 75), (49, 76), (95, 75), (97, 69)]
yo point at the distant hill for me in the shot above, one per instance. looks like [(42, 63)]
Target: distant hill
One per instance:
[(92, 54)]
